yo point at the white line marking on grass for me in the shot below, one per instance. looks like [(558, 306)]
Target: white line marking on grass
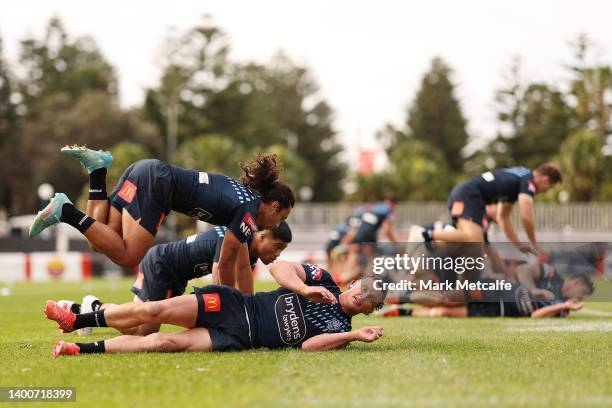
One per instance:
[(594, 312), (563, 327)]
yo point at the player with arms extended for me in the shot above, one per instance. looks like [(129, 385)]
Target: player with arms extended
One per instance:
[(309, 312)]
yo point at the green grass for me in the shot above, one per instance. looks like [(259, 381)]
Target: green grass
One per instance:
[(418, 362)]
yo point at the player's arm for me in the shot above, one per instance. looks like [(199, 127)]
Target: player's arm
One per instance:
[(331, 341), (227, 261), (504, 220), (527, 274), (291, 276), (557, 309), (527, 216), (244, 273)]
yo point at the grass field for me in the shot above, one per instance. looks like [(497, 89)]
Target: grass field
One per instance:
[(418, 362)]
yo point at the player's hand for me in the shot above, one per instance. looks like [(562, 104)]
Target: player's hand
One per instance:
[(318, 294), (526, 248), (369, 334), (573, 305), (542, 294), (541, 253)]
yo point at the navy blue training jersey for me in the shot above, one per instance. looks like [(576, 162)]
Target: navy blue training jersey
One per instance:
[(216, 199), (376, 215), (282, 318), (193, 257), (504, 184)]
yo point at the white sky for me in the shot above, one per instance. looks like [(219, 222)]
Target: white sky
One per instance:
[(368, 56)]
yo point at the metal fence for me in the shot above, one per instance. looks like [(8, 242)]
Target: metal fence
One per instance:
[(550, 216)]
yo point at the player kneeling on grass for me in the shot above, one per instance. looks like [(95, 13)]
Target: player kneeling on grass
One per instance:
[(308, 311), (166, 268)]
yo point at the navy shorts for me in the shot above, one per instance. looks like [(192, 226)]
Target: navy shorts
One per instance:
[(221, 309), (155, 280), (145, 190), (465, 201)]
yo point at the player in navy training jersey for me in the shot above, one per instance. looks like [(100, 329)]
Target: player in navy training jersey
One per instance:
[(467, 203), (123, 228), (166, 268), (309, 312)]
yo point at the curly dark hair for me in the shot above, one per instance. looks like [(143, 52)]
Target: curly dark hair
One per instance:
[(261, 175)]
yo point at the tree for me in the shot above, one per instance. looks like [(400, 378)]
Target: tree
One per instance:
[(279, 104), (213, 153), (534, 121), (8, 133), (435, 117), (582, 164), (59, 64), (194, 65)]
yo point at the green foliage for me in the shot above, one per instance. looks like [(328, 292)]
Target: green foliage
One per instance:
[(582, 164), (124, 155), (217, 154), (296, 171), (435, 117), (58, 64), (535, 120)]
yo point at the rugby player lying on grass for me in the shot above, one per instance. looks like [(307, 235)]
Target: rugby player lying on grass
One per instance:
[(542, 293), (166, 268), (308, 311)]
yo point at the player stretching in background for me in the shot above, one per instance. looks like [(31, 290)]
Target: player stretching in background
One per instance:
[(123, 228), (467, 202)]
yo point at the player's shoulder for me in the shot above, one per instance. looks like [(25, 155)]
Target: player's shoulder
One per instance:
[(316, 275)]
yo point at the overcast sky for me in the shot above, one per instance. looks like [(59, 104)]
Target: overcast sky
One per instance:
[(367, 56)]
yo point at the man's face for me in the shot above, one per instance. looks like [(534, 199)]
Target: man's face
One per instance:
[(574, 289), (269, 248), (270, 215), (542, 183), (353, 300)]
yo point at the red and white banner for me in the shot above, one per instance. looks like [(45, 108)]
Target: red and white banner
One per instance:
[(44, 266)]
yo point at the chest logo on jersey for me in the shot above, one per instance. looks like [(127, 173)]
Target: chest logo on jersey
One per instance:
[(212, 303), (128, 191), (317, 273), (290, 319), (333, 325)]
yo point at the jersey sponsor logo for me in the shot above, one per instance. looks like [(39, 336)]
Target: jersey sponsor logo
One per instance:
[(247, 226), (488, 176), (191, 238), (203, 178), (290, 319), (457, 208), (370, 218), (531, 187), (212, 303), (128, 191), (317, 273)]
